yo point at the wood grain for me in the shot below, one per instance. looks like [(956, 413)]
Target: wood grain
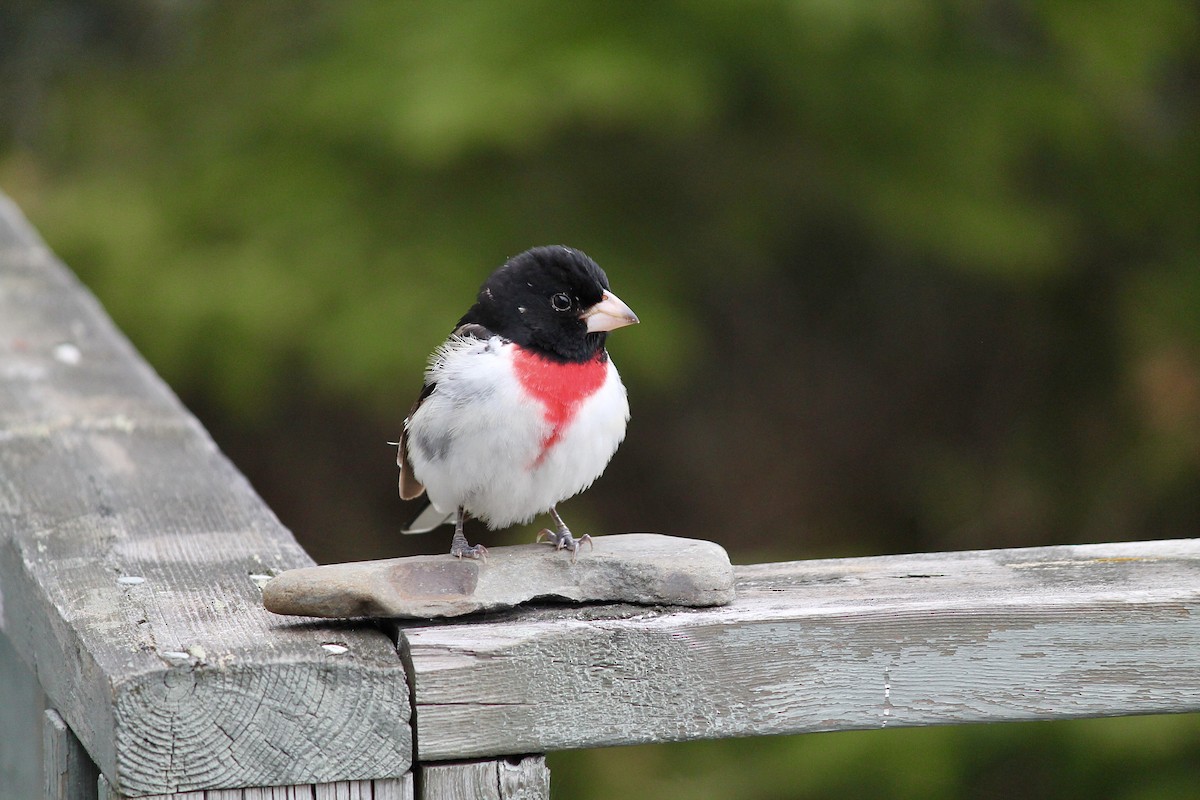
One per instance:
[(129, 550), (69, 772), (1043, 633), (516, 778), (380, 789)]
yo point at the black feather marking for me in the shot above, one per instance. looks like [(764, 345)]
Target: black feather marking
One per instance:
[(473, 330), (410, 487), (517, 303)]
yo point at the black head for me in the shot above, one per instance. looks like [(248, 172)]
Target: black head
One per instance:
[(551, 299)]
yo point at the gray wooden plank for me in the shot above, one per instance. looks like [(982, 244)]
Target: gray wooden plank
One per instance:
[(69, 771), (129, 548), (275, 793), (335, 791), (524, 778), (104, 790), (21, 706), (394, 788), (400, 788), (1042, 633), (265, 793), (516, 778)]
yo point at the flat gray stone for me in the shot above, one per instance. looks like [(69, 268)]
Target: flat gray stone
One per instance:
[(643, 568)]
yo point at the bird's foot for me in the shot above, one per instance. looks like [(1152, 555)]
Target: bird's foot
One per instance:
[(563, 540), (460, 549), (474, 551)]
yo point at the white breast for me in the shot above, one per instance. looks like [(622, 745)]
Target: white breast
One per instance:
[(476, 440)]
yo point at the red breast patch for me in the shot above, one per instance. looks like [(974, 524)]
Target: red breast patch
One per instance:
[(559, 387)]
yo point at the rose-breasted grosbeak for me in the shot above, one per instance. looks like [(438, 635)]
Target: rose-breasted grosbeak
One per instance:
[(521, 407)]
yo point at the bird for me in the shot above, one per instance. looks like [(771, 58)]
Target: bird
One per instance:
[(521, 406)]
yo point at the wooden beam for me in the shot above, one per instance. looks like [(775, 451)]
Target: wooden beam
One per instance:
[(130, 556), (1042, 633)]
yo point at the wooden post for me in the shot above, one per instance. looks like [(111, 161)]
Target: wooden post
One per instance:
[(131, 553), (516, 778), (21, 705), (70, 773)]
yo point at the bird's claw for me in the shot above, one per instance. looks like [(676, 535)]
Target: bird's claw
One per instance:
[(563, 540), (477, 551)]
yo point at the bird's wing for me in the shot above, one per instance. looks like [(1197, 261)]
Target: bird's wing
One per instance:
[(473, 330), (410, 487)]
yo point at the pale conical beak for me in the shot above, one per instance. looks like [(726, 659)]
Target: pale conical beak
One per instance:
[(608, 315)]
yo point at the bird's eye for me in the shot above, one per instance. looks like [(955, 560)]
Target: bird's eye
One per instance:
[(561, 302)]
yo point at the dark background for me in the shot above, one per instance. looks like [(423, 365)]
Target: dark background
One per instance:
[(912, 277)]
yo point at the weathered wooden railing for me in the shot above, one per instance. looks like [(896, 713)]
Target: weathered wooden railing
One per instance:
[(130, 556)]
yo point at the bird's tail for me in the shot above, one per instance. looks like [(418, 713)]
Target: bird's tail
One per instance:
[(427, 518)]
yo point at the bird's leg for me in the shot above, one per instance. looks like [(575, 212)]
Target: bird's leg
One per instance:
[(561, 537), (459, 547)]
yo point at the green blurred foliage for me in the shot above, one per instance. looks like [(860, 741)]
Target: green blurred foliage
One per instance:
[(912, 276), (1133, 758)]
